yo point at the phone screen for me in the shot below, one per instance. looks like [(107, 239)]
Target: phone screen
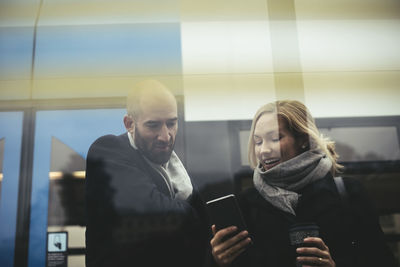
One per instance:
[(225, 212)]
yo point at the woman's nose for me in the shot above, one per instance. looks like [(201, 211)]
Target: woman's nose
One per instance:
[(265, 148)]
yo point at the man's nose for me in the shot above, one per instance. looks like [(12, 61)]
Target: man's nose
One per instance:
[(164, 134)]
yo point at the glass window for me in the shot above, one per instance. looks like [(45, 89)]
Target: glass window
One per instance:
[(365, 143), (10, 153), (62, 139)]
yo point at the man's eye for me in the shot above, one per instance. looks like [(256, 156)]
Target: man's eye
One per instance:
[(171, 124), (152, 125)]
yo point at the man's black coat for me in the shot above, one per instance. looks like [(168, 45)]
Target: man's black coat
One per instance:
[(131, 218)]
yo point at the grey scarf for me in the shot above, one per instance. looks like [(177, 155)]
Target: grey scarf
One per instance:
[(173, 172), (279, 184)]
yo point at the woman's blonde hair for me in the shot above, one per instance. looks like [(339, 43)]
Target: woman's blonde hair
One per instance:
[(300, 123)]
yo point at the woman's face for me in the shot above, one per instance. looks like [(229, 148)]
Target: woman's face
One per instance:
[(273, 143)]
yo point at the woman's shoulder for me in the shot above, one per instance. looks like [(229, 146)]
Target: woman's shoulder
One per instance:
[(353, 185), (356, 201), (354, 190), (329, 184)]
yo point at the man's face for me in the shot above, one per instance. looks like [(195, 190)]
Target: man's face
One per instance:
[(155, 131)]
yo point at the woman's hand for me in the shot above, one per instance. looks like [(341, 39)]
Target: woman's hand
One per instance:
[(224, 252), (317, 254)]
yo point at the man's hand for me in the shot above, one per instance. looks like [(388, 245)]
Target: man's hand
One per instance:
[(224, 252), (317, 255)]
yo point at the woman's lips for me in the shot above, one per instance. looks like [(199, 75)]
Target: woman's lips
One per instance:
[(269, 163)]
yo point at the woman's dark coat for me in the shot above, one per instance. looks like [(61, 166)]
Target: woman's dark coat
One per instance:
[(350, 228)]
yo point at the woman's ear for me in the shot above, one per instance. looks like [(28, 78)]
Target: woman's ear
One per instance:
[(303, 143)]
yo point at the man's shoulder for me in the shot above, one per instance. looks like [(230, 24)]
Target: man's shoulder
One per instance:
[(110, 139), (111, 144)]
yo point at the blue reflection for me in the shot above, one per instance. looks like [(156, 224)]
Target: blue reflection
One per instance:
[(139, 49), (76, 128), (11, 131), (15, 52)]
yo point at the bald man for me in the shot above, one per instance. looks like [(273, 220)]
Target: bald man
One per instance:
[(141, 206)]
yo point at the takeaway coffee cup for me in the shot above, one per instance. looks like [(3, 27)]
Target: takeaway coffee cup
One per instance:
[(298, 232)]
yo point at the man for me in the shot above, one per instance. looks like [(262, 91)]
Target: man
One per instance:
[(141, 206)]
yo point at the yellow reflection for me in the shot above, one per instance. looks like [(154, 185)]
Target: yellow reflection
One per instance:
[(59, 175)]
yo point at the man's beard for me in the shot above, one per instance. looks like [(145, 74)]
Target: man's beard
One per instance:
[(148, 149)]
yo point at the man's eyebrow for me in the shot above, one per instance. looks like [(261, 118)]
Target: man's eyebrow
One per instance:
[(173, 119), (151, 122), (159, 121)]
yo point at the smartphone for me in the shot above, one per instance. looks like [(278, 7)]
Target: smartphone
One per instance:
[(225, 212)]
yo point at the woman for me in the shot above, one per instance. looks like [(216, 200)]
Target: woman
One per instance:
[(293, 181)]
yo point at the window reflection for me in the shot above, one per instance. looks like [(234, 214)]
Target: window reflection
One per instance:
[(1, 161), (66, 198), (355, 144)]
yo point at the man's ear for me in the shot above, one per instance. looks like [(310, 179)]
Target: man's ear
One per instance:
[(129, 123)]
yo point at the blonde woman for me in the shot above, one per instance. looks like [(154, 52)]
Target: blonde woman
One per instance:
[(294, 166)]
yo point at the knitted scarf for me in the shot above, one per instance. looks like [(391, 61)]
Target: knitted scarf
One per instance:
[(173, 172), (279, 184)]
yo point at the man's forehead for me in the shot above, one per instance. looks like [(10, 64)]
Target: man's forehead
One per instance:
[(157, 116), (158, 108), (149, 119)]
